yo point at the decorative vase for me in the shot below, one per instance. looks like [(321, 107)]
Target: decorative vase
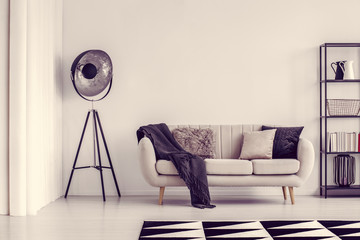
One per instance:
[(349, 70), (344, 170), (339, 71)]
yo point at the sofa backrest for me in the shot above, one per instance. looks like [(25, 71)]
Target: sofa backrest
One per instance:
[(228, 138)]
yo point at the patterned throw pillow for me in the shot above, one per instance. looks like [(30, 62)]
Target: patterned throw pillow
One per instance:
[(200, 142), (286, 141)]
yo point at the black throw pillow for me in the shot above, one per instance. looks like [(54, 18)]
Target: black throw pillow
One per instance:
[(286, 141)]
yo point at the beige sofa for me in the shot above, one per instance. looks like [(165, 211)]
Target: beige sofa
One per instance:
[(227, 169)]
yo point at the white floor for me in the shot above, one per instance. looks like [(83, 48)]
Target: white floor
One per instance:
[(121, 218)]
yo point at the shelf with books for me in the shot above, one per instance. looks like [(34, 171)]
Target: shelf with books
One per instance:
[(343, 142)]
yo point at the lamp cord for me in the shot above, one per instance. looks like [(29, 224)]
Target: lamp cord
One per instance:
[(93, 111)]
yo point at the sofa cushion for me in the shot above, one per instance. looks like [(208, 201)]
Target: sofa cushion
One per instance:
[(200, 142), (213, 167), (285, 141), (258, 144), (275, 166), (228, 167)]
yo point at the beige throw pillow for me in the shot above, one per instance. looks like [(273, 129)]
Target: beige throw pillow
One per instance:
[(258, 144)]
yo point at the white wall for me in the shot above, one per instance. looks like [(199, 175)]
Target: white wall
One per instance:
[(197, 62)]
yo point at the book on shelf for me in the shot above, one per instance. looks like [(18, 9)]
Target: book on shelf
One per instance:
[(343, 142)]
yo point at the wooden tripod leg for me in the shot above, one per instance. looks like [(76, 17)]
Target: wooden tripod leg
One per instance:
[(284, 192), (161, 195), (291, 191)]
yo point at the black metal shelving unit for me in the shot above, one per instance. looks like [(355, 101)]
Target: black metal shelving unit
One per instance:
[(324, 117)]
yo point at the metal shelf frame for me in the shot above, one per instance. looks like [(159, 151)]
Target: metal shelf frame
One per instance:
[(324, 117)]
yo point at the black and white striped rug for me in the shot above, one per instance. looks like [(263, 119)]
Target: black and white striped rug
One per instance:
[(284, 230)]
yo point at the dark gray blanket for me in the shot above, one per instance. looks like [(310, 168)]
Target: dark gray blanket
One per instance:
[(191, 168)]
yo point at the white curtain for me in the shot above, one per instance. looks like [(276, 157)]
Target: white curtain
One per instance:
[(4, 76), (31, 164)]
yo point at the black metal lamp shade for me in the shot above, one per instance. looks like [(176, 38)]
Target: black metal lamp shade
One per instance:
[(91, 74)]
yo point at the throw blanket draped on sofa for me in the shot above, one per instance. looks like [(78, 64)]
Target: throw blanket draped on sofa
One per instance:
[(191, 168)]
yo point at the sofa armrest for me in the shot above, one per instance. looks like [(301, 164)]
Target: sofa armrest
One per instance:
[(148, 161), (306, 156)]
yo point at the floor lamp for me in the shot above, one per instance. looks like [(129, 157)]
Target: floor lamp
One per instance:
[(91, 75)]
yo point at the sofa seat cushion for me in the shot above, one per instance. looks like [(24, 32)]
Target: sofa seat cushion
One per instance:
[(275, 166), (213, 167), (228, 167)]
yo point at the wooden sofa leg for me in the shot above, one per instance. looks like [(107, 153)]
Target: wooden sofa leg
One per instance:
[(284, 192), (161, 195), (291, 191)]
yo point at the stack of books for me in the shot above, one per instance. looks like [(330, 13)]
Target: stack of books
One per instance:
[(343, 142)]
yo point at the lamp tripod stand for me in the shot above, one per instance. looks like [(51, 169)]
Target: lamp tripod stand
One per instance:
[(99, 167)]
